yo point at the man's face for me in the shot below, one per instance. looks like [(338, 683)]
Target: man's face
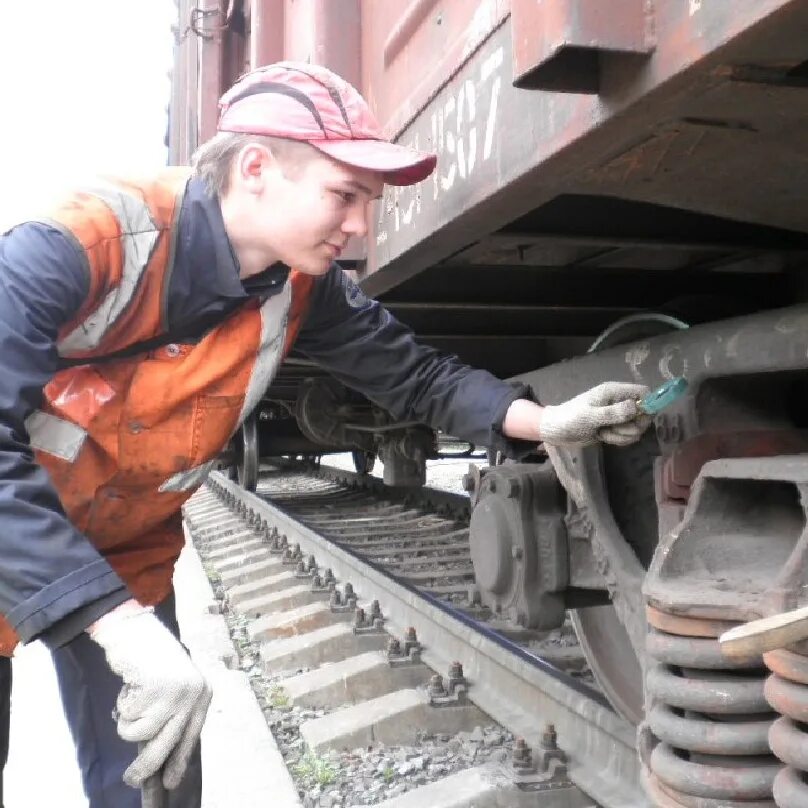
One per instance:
[(310, 210)]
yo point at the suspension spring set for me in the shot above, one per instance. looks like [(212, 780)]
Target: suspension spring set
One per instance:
[(787, 692), (709, 719)]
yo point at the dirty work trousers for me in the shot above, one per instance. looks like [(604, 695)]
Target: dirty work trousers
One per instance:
[(89, 690)]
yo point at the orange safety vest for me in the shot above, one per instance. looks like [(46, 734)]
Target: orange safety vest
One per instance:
[(127, 441)]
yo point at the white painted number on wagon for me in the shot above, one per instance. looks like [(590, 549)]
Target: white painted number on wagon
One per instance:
[(463, 132), (455, 124)]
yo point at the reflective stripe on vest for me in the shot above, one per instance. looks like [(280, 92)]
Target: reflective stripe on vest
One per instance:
[(274, 316), (64, 439), (139, 235), (54, 435)]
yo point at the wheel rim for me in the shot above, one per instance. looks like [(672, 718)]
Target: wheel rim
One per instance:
[(247, 453), (604, 640)]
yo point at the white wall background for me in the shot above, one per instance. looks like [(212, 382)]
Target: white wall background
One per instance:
[(83, 90)]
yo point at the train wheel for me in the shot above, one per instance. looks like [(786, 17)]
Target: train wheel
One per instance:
[(629, 479), (246, 446)]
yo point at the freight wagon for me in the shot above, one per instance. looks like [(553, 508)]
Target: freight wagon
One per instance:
[(620, 195)]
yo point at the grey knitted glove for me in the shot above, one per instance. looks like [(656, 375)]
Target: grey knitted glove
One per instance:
[(607, 412), (164, 698)]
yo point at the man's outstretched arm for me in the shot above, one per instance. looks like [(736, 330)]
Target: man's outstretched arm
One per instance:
[(363, 345)]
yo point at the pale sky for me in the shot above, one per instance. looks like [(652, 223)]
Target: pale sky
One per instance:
[(83, 90)]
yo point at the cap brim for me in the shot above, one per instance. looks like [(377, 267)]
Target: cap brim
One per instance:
[(400, 165)]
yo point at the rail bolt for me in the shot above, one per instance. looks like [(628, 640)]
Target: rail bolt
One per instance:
[(549, 738), (521, 755), (436, 687), (456, 672), (410, 640)]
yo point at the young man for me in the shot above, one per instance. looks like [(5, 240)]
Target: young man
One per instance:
[(139, 324)]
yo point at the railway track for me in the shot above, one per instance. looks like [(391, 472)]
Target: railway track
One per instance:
[(356, 606)]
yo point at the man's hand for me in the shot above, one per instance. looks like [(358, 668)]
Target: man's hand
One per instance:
[(164, 698), (607, 412)]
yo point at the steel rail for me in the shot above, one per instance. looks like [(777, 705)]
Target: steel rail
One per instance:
[(516, 689)]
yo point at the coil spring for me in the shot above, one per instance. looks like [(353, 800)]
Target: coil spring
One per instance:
[(787, 692), (708, 717)]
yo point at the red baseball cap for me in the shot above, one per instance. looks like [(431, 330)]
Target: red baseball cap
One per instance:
[(307, 102)]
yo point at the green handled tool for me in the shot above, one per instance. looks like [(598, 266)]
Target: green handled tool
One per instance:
[(663, 396)]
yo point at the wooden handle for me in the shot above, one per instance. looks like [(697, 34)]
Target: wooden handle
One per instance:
[(765, 634)]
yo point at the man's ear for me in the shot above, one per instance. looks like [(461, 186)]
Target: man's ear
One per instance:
[(253, 167)]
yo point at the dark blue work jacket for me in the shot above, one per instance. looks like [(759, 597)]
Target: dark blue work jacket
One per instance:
[(43, 283)]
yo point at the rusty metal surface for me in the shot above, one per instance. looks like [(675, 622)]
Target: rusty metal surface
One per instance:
[(410, 50), (790, 789), (684, 650), (504, 151), (557, 44), (712, 780), (208, 25), (788, 698), (740, 550), (790, 743), (707, 721), (183, 126), (787, 692), (681, 83), (664, 797), (682, 467), (266, 31), (686, 626), (711, 692), (707, 736), (734, 347), (788, 665)]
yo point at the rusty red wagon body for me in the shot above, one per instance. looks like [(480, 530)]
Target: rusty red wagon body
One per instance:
[(623, 176)]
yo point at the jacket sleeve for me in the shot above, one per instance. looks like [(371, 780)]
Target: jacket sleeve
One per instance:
[(54, 582), (360, 343)]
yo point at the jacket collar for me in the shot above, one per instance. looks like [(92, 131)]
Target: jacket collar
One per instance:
[(203, 234)]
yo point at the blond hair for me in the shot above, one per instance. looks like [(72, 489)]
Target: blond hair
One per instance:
[(213, 160)]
